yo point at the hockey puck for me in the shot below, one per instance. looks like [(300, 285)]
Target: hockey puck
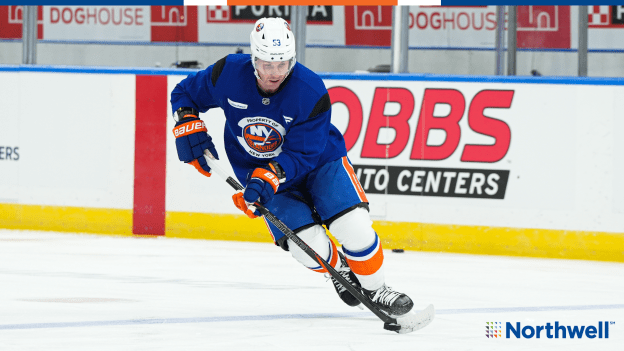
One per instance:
[(398, 250), (392, 327)]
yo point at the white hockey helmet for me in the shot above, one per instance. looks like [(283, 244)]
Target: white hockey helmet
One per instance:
[(272, 40)]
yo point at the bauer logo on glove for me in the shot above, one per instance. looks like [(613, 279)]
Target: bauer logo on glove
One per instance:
[(188, 128), (271, 177), (191, 140)]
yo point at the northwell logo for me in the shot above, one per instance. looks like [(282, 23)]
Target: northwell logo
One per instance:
[(550, 331), (493, 329)]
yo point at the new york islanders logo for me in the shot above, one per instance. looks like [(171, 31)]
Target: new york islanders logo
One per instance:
[(261, 137)]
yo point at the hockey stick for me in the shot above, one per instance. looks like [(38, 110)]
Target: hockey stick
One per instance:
[(402, 324)]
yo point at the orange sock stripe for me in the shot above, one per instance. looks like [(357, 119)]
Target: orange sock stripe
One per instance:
[(369, 266), (333, 259), (354, 179)]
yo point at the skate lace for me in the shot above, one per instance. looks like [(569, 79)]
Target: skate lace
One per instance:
[(344, 272), (385, 295)]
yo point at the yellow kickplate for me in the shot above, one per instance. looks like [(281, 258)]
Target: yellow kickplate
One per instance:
[(482, 240), (66, 219)]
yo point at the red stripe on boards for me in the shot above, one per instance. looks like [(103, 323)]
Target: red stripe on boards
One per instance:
[(150, 155)]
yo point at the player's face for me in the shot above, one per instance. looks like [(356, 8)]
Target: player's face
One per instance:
[(271, 74)]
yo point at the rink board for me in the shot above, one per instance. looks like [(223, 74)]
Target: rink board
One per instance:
[(486, 165)]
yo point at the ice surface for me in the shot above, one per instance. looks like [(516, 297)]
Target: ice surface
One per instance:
[(89, 292)]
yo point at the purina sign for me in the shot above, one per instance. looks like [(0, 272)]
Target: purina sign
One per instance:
[(316, 14), (606, 16)]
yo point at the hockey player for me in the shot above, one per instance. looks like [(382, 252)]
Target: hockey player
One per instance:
[(287, 154)]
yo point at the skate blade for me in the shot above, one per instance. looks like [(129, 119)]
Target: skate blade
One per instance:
[(412, 321)]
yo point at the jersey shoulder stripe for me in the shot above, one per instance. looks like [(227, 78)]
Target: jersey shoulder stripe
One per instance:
[(216, 71), (322, 105)]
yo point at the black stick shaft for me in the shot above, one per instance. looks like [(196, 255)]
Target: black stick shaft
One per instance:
[(310, 252)]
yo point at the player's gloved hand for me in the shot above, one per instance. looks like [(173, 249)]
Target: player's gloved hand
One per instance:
[(192, 139), (248, 208), (261, 187)]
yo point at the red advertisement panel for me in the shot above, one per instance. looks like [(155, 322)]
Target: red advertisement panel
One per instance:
[(368, 25), (174, 23), (11, 22), (544, 27)]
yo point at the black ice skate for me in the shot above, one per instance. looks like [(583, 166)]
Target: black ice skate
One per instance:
[(389, 301), (346, 273)]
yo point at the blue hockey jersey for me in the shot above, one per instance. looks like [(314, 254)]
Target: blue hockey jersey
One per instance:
[(291, 126)]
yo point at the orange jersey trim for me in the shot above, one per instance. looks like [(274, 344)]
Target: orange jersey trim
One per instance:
[(266, 222), (354, 179)]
